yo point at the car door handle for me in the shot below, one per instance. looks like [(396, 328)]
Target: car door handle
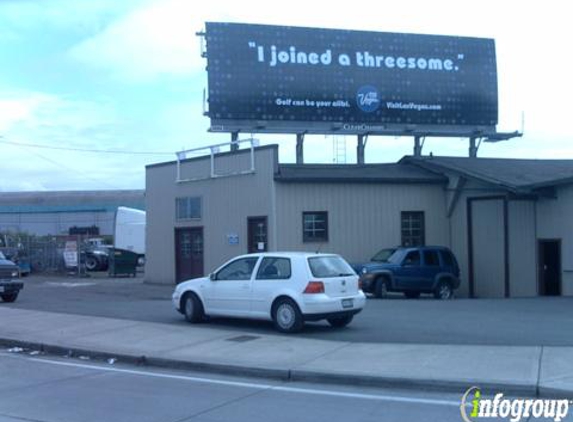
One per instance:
[(245, 286)]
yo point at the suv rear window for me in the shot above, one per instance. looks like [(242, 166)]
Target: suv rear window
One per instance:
[(431, 258), (447, 258), (329, 266)]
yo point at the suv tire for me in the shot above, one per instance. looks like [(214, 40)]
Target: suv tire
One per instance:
[(444, 290), (381, 288), (287, 317)]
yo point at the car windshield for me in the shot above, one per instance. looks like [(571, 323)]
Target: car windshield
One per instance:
[(2, 256), (386, 255), (329, 266)]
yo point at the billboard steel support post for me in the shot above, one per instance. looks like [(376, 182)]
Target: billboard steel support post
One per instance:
[(234, 139), (360, 146), (300, 148), (418, 145), (473, 152)]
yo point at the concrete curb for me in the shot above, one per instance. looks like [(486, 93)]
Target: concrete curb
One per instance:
[(448, 386), (291, 374), (214, 368)]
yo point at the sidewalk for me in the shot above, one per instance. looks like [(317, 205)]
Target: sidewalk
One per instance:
[(531, 371)]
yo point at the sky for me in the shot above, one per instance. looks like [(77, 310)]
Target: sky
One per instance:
[(92, 91)]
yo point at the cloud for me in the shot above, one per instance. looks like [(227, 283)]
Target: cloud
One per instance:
[(33, 118), (61, 14), (154, 40)]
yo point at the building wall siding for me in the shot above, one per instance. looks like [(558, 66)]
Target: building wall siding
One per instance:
[(522, 249), (554, 221), (362, 218), (459, 228), (226, 204), (488, 247)]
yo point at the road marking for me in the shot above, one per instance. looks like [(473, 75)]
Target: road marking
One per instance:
[(258, 386)]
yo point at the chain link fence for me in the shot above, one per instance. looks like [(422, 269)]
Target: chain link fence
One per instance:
[(48, 254)]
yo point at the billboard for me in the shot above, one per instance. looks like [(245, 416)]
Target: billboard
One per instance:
[(300, 80)]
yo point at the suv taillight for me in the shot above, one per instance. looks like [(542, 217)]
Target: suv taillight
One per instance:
[(314, 287)]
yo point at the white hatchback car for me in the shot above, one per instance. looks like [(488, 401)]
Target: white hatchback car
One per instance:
[(287, 288)]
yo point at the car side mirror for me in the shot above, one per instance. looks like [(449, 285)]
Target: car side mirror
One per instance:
[(212, 276)]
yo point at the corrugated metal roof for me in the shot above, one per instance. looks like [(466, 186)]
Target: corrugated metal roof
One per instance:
[(356, 173), (517, 174), (70, 201)]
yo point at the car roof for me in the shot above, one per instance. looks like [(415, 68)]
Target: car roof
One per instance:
[(287, 254)]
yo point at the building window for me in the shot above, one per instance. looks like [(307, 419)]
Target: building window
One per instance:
[(413, 228), (315, 226), (188, 208)]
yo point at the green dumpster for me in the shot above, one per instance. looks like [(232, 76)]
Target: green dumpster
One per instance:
[(122, 263)]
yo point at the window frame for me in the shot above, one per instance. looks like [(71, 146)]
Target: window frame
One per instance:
[(235, 261), (412, 252), (408, 239), (437, 258), (187, 216), (262, 266), (312, 239)]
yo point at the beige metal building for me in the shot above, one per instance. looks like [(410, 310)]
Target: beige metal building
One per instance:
[(507, 221)]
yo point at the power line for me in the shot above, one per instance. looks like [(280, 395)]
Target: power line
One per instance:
[(96, 151), (82, 174)]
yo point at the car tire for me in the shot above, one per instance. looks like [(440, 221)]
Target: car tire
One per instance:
[(287, 317), (92, 263), (192, 308), (340, 322), (412, 295), (444, 290), (9, 297), (381, 288)]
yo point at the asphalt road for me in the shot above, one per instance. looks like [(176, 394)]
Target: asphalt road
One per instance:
[(48, 389), (537, 321)]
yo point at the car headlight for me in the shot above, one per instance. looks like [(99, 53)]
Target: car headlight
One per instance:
[(364, 271), (15, 274)]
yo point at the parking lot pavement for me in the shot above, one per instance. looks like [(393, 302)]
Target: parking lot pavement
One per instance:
[(502, 322)]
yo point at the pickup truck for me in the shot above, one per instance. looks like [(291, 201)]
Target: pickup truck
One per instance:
[(10, 284)]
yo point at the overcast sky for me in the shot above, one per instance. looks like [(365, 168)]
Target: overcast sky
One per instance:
[(127, 76)]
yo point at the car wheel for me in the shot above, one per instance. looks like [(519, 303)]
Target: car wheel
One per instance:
[(340, 322), (192, 308), (287, 318), (9, 297), (381, 288), (444, 290), (412, 295), (91, 263)]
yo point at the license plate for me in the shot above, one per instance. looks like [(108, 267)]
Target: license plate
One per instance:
[(347, 303)]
